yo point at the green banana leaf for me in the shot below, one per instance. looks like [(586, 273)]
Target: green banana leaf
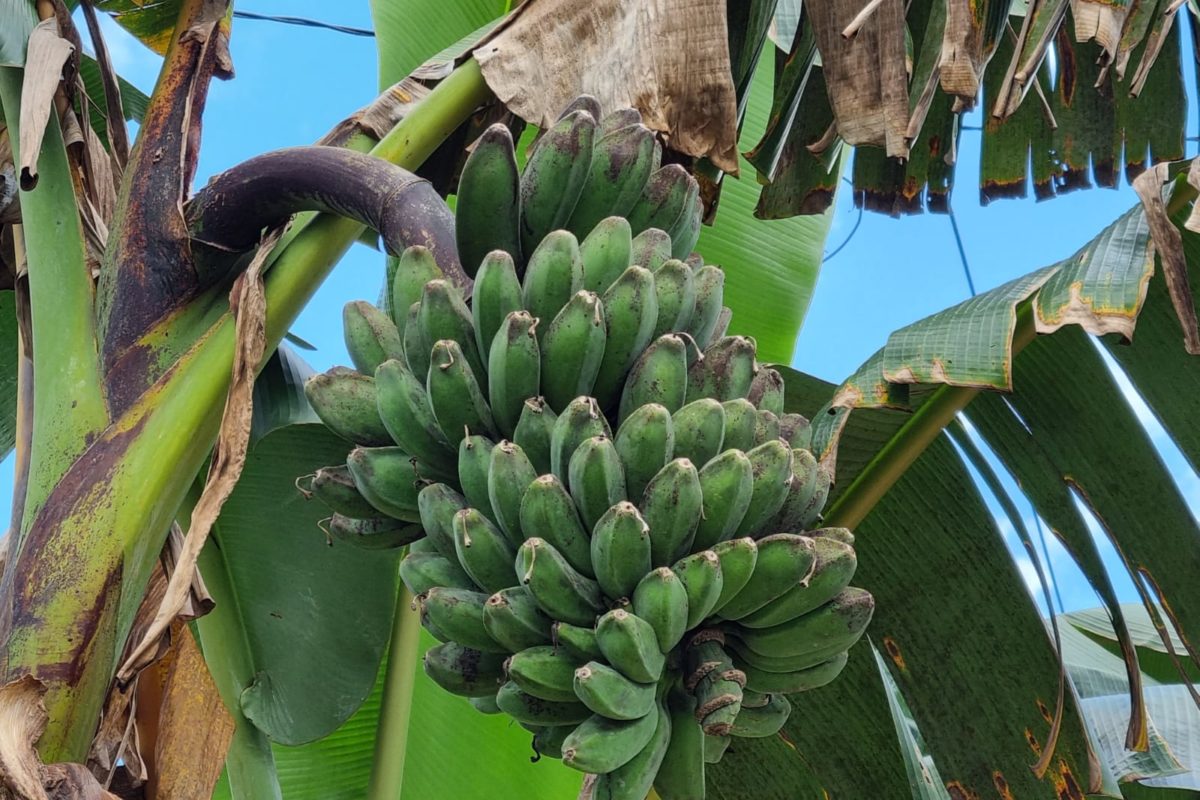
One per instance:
[(17, 20), (407, 33), (8, 372)]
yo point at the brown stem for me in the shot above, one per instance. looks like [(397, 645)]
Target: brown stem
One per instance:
[(118, 134)]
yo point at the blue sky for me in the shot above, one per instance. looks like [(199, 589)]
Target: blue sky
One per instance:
[(293, 83)]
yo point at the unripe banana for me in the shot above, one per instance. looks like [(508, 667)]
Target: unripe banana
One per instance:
[(831, 628), (463, 671), (444, 316), (548, 512), (658, 376), (725, 372), (509, 476), (675, 291), (416, 349), (634, 779), (780, 683), (766, 391), (474, 462), (483, 551), (699, 430), (597, 479), (630, 644), (772, 463), (630, 311), (700, 574), (495, 294), (797, 430), (605, 253), (553, 276), (544, 671), (645, 442), (621, 164), (661, 600), (345, 401), (487, 214), (534, 432), (600, 744), (526, 708), (741, 419), (580, 420), (512, 618), (458, 613), (812, 512), (386, 478), (485, 705), (717, 685), (549, 739), (610, 694), (842, 535), (620, 550), (663, 200), (376, 533), (738, 558), (423, 571), (558, 589), (710, 296), (617, 119), (795, 508), (334, 486), (415, 267), (404, 408), (762, 721), (579, 642), (573, 349), (671, 507), (715, 747), (554, 176), (650, 249), (783, 561), (750, 661), (514, 370), (583, 102), (766, 427), (727, 486), (686, 230), (371, 336), (681, 774), (455, 395)]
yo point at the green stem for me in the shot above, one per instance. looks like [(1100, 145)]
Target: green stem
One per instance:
[(906, 446), (391, 741)]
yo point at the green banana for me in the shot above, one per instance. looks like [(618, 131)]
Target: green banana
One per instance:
[(334, 486), (605, 253), (554, 177), (752, 699), (663, 200), (404, 408), (455, 395), (780, 683), (444, 316), (646, 442), (463, 671), (620, 550), (345, 401), (617, 119), (474, 462), (371, 336), (738, 559), (376, 533), (630, 644), (423, 571), (681, 774), (772, 464), (495, 294), (487, 215), (596, 478), (548, 740), (423, 545), (794, 510), (796, 429), (573, 349), (715, 747), (554, 274), (812, 512), (509, 475), (658, 376), (842, 535), (415, 267), (686, 230), (661, 599), (717, 685), (727, 486), (621, 163), (437, 504), (512, 618), (458, 613), (386, 478), (548, 512), (672, 506), (700, 574), (514, 370), (580, 420), (534, 432), (610, 694), (766, 427), (416, 349), (784, 560), (762, 721), (583, 102), (630, 311), (634, 779), (831, 628), (675, 291), (483, 551), (766, 391), (600, 744), (544, 671), (710, 295), (741, 418), (579, 642), (526, 708), (557, 588), (650, 249), (750, 661), (725, 372), (699, 430), (485, 705)]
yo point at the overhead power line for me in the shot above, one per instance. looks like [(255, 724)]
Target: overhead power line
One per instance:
[(305, 23)]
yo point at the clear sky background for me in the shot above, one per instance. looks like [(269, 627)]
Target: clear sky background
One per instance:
[(293, 83)]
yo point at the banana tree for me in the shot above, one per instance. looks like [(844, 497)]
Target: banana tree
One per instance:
[(145, 314)]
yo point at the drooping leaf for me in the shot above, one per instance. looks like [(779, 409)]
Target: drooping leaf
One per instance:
[(152, 24), (17, 21)]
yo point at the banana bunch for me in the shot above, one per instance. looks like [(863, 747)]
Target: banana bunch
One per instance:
[(609, 515)]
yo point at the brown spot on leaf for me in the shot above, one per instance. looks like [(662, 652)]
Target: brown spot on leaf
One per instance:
[(1044, 711), (959, 792), (1034, 744), (1002, 785), (1065, 785), (893, 651)]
